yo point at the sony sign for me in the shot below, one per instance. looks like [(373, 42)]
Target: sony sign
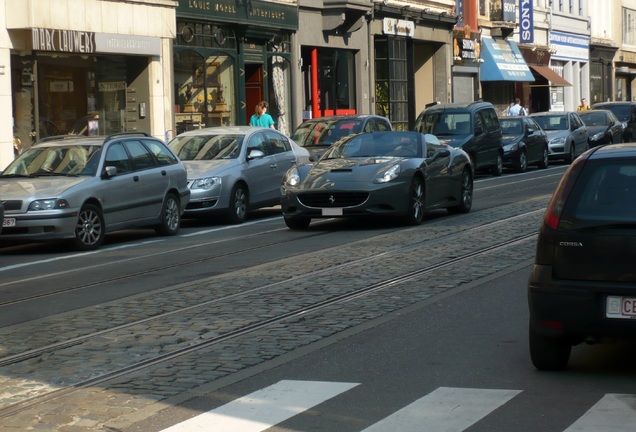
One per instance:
[(526, 23)]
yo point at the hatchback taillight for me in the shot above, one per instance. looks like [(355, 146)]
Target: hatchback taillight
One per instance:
[(555, 207)]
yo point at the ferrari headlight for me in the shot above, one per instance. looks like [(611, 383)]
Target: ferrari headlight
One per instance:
[(206, 183), (388, 175), (558, 141), (598, 136), (292, 177), (48, 204)]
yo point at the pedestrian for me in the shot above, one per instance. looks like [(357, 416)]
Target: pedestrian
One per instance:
[(261, 118), (516, 109), (584, 106)]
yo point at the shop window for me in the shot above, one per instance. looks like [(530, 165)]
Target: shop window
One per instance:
[(204, 90), (335, 91), (391, 85)]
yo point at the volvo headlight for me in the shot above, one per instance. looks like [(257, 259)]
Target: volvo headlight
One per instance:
[(206, 183), (558, 141), (48, 204), (388, 175), (292, 177)]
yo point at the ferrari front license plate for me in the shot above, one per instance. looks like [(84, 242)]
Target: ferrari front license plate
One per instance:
[(332, 212), (620, 307), (8, 222)]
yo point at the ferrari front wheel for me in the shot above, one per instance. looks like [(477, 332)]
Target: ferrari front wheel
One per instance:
[(415, 209), (465, 194)]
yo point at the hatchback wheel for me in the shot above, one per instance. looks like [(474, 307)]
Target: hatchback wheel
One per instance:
[(497, 170), (237, 212), (522, 162), (170, 216), (549, 353), (415, 209), (298, 222), (543, 163), (90, 228), (465, 195)]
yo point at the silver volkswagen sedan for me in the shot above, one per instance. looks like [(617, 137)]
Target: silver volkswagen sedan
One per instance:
[(232, 170), (80, 188)]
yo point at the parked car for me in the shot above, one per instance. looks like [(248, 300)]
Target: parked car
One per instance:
[(1, 216), (316, 135), (393, 173), (525, 143), (80, 188), (232, 170), (567, 134), (582, 286), (626, 113), (602, 127), (473, 127)]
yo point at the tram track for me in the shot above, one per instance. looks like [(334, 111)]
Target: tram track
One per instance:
[(237, 332)]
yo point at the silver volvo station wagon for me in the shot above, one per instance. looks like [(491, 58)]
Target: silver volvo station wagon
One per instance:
[(80, 188)]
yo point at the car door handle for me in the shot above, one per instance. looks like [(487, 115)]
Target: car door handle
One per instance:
[(273, 166), (163, 172), (136, 178)]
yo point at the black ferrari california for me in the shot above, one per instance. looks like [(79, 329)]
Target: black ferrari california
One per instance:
[(393, 173)]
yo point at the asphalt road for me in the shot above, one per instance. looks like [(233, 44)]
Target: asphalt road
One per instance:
[(445, 349)]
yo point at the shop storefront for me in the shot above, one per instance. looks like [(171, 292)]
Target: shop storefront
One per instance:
[(229, 56), (601, 72), (547, 91), (504, 73), (466, 50), (411, 61), (570, 59), (70, 81)]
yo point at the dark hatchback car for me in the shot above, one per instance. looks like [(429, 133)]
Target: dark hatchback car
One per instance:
[(602, 126), (626, 113), (473, 127), (582, 286), (316, 135), (525, 143)]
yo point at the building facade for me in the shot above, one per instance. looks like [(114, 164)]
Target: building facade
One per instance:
[(84, 66)]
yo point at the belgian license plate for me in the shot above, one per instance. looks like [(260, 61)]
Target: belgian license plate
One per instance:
[(8, 222), (620, 307), (332, 211)]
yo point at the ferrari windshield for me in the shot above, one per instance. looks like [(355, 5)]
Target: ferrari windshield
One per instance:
[(394, 144), (326, 132), (207, 147)]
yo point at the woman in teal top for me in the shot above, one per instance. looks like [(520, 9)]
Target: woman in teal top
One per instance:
[(261, 118)]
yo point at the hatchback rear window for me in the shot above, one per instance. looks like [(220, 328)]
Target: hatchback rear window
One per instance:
[(605, 191)]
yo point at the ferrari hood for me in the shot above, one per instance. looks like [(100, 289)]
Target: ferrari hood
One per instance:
[(40, 187), (330, 173), (198, 169)]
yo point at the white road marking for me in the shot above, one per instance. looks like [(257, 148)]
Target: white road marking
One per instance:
[(445, 409), (264, 408), (612, 413)]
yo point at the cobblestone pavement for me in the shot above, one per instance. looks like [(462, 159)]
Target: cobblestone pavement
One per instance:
[(234, 300)]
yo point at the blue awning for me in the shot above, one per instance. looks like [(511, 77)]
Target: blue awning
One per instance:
[(502, 61)]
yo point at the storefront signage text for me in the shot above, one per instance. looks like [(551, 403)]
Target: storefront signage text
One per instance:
[(570, 46), (467, 50), (63, 41), (398, 27), (526, 22), (256, 12), (509, 10)]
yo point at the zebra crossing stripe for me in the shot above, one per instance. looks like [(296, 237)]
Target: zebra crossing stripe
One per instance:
[(264, 408), (612, 413), (445, 409)]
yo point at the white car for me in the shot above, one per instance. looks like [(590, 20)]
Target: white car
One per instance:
[(79, 188), (232, 170)]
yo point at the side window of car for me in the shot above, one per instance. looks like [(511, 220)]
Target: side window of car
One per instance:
[(163, 155), (141, 156), (116, 156), (479, 123), (258, 142), (370, 126), (383, 125), (490, 119), (278, 143)]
